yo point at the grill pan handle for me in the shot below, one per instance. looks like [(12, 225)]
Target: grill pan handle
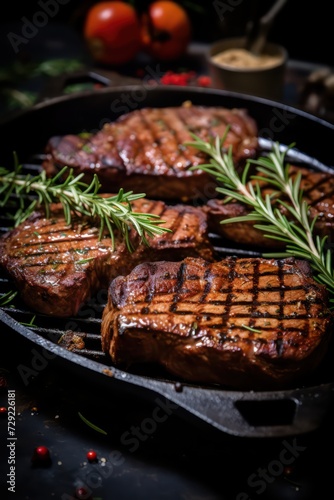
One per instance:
[(255, 414)]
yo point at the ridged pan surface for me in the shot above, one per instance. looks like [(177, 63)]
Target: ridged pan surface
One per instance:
[(240, 413)]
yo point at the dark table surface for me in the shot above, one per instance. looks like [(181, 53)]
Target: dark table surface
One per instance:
[(139, 457)]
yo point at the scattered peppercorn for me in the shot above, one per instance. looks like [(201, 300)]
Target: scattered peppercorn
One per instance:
[(41, 456), (185, 78), (82, 493), (91, 456)]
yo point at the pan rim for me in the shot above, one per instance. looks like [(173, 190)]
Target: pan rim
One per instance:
[(99, 367), (50, 102)]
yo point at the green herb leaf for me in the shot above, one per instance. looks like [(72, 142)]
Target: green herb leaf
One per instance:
[(296, 232), (83, 261), (77, 197), (254, 330), (31, 323), (8, 297), (93, 426)]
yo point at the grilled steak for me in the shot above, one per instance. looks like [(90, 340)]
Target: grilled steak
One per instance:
[(57, 267), (247, 323), (144, 150), (318, 192)]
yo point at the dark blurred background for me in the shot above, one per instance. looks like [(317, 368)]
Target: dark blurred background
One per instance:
[(58, 46), (304, 28)]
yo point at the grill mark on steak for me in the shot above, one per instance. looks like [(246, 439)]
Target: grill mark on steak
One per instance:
[(46, 235), (138, 153), (207, 287), (279, 341), (176, 329), (175, 225), (327, 185), (156, 154), (179, 283), (229, 295), (57, 267), (159, 151), (150, 293), (255, 292), (180, 156), (235, 131), (185, 155)]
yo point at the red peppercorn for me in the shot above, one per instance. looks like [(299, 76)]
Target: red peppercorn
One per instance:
[(42, 451), (91, 456), (82, 494), (3, 410), (41, 455), (180, 79), (204, 81)]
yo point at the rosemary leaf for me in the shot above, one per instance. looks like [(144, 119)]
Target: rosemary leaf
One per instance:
[(7, 298), (251, 329), (31, 322), (77, 197), (90, 424), (297, 232)]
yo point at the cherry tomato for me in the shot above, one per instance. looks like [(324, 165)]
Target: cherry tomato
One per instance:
[(166, 30), (112, 32)]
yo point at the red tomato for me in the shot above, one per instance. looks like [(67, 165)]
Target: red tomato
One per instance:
[(112, 32), (166, 30)]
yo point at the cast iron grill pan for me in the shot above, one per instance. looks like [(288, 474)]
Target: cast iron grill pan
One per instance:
[(240, 413)]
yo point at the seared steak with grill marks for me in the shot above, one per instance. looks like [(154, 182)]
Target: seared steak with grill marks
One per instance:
[(57, 267), (318, 192), (144, 150), (195, 318)]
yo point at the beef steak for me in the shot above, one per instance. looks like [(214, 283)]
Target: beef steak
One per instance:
[(318, 192), (246, 323), (143, 150), (57, 267)]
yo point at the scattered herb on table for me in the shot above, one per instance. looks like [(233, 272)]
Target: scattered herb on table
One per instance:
[(90, 424)]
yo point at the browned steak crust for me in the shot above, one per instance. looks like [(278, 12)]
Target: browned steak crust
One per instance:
[(245, 323), (57, 267), (318, 192), (144, 150)]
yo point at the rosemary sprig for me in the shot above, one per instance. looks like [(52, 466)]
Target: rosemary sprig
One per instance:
[(77, 197), (7, 298), (297, 231)]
